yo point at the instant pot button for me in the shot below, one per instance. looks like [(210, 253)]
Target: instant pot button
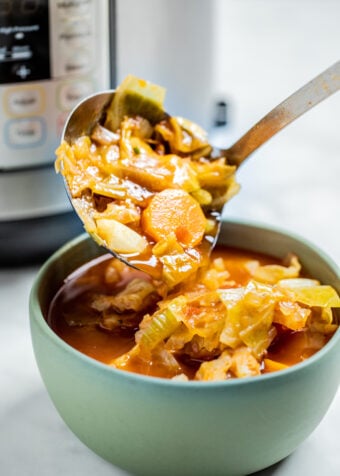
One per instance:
[(24, 102), (69, 94), (25, 132), (74, 8), (76, 34), (22, 71), (78, 62)]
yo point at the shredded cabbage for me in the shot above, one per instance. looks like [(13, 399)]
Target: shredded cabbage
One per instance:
[(230, 328), (310, 293)]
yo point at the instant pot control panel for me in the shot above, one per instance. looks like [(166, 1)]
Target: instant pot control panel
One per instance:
[(52, 54)]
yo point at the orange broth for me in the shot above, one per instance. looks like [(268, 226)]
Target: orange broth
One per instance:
[(72, 318)]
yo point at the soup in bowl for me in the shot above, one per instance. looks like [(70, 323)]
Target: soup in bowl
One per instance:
[(175, 423)]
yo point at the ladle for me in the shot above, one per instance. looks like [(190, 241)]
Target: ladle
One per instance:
[(90, 111)]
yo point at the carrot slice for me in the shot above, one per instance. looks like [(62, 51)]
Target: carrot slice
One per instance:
[(174, 210), (273, 365)]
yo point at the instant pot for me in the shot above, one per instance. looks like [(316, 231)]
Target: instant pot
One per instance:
[(52, 54), (55, 52)]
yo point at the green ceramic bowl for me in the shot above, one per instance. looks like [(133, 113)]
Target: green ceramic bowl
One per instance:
[(151, 426)]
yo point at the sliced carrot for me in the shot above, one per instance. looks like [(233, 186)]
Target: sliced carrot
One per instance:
[(174, 210), (273, 365)]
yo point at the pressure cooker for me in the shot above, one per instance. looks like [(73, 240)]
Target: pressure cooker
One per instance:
[(53, 53)]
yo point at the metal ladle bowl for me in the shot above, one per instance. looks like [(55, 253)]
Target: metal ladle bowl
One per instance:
[(90, 111)]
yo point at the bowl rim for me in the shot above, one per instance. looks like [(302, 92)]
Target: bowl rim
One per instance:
[(35, 314)]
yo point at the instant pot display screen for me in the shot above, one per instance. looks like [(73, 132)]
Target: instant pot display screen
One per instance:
[(24, 41)]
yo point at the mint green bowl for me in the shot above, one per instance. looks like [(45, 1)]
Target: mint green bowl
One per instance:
[(150, 426)]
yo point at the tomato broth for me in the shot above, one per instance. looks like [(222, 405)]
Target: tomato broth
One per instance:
[(74, 318)]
